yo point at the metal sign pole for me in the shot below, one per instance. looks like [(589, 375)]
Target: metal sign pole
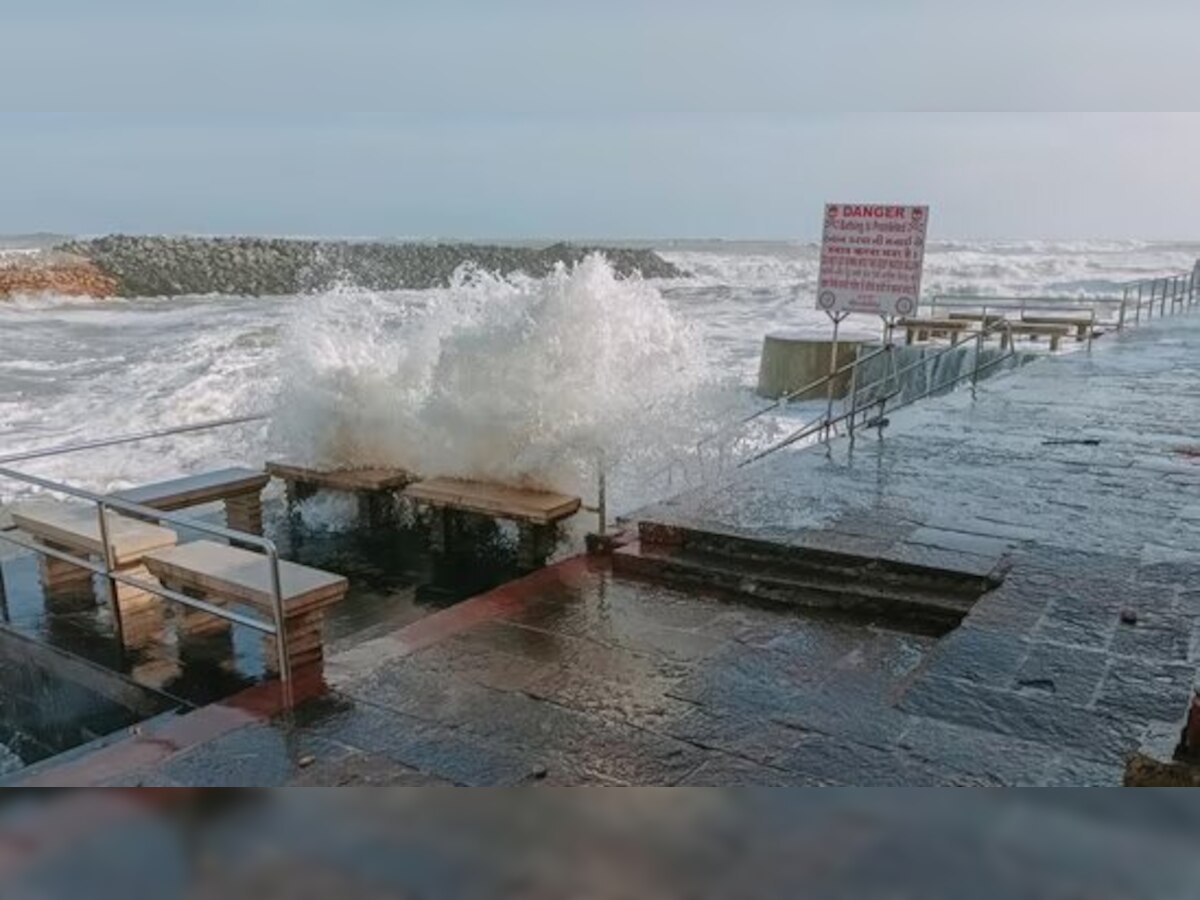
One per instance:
[(836, 318)]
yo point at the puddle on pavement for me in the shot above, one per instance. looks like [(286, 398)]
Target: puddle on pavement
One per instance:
[(51, 703), (393, 582)]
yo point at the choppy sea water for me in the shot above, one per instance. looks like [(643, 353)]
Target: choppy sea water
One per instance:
[(516, 379)]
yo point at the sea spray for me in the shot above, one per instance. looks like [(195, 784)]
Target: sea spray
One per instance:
[(521, 380)]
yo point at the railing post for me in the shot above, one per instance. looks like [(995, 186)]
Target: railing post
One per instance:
[(601, 494), (110, 584), (1162, 303), (1137, 315), (978, 351), (3, 600), (281, 647), (1124, 302)]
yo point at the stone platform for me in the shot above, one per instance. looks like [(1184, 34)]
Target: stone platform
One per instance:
[(1083, 468)]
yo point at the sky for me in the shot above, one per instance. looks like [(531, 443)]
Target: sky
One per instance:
[(651, 119)]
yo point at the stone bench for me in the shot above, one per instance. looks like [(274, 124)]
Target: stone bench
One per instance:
[(988, 319), (1081, 326), (1054, 332), (927, 328), (240, 489), (536, 512), (372, 487), (223, 575), (75, 529)]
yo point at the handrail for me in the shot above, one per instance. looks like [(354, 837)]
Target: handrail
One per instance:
[(128, 438), (827, 423), (1183, 290), (104, 503)]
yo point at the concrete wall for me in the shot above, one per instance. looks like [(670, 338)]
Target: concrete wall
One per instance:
[(791, 361)]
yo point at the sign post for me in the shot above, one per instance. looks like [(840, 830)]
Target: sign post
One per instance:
[(872, 256)]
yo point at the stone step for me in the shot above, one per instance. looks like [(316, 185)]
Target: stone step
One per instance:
[(963, 574), (797, 586)]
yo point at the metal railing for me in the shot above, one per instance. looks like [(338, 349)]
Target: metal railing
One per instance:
[(1171, 293), (107, 568), (58, 450)]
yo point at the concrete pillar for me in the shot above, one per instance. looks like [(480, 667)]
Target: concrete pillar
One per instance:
[(535, 543), (244, 513), (790, 361)]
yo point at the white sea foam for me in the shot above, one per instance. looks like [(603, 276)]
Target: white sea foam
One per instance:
[(513, 379), (494, 378)]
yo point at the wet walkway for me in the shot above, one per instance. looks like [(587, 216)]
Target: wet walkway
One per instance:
[(1080, 468)]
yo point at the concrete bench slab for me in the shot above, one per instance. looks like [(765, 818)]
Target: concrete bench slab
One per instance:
[(239, 488), (1081, 325), (243, 576), (196, 490), (348, 480), (923, 328), (77, 528), (1054, 332), (500, 501), (372, 486), (220, 575), (536, 512)]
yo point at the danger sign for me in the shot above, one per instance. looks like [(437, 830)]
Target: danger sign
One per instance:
[(871, 258)]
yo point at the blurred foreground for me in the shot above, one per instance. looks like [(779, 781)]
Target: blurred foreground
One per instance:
[(599, 843)]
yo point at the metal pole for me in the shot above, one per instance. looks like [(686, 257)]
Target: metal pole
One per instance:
[(602, 494), (3, 599), (1162, 303), (127, 439), (833, 347), (285, 664), (853, 399), (110, 585), (1137, 316), (1124, 301), (978, 350)]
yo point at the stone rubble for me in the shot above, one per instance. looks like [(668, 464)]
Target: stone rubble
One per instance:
[(166, 266)]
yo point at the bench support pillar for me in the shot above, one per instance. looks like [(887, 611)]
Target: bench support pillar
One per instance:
[(60, 578), (143, 614), (244, 513), (295, 492), (305, 643), (195, 623), (534, 545), (374, 508)]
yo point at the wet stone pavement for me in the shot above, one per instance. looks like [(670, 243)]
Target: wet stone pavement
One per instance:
[(576, 676)]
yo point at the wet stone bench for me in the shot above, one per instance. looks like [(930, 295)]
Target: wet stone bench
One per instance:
[(373, 487), (1081, 326), (1034, 330), (75, 530), (536, 512), (239, 489), (222, 575), (923, 329)]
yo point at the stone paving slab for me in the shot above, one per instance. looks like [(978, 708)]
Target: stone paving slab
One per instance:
[(1087, 650)]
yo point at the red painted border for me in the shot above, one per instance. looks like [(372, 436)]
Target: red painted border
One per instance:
[(141, 750)]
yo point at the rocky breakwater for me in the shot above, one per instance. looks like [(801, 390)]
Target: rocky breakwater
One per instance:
[(44, 272), (164, 266)]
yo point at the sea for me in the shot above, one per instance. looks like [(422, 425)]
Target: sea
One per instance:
[(543, 382)]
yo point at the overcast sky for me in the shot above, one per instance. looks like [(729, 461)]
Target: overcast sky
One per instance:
[(533, 118)]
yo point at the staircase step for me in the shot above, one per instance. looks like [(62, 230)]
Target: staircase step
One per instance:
[(973, 575), (861, 594)]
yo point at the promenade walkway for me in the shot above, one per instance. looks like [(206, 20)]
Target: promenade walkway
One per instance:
[(1081, 470)]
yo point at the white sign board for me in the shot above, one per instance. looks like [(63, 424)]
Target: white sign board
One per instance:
[(871, 258)]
